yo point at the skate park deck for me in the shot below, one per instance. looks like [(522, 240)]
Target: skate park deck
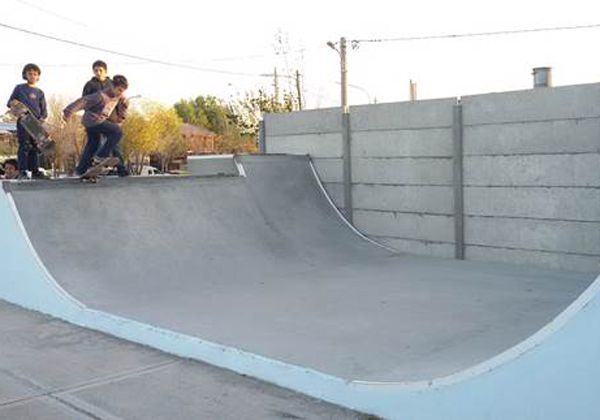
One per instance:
[(264, 264)]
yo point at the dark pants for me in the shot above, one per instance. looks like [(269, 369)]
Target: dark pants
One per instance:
[(111, 131), (118, 153), (28, 154)]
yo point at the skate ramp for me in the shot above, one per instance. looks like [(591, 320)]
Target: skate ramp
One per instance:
[(263, 269)]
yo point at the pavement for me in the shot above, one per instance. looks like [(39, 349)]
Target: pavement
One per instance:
[(53, 370)]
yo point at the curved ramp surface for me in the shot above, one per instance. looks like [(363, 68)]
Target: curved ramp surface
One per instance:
[(264, 264)]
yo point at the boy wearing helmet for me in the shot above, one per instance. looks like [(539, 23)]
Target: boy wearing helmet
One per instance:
[(32, 96)]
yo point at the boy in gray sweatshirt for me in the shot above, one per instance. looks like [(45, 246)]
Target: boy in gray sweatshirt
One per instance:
[(98, 108)]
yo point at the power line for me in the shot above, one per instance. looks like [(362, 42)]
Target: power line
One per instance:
[(49, 12), (476, 34), (123, 54)]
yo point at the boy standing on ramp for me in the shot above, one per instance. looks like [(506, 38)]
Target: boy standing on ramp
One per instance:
[(33, 98), (98, 107)]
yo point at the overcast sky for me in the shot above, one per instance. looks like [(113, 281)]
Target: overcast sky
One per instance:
[(237, 39)]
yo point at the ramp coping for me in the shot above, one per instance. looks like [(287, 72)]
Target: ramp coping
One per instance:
[(340, 214)]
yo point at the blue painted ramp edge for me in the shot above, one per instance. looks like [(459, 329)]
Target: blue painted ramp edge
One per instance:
[(554, 374)]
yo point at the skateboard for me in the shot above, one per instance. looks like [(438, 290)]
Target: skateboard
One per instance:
[(92, 174), (34, 127)]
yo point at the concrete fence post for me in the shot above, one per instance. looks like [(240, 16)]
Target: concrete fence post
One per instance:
[(459, 217), (262, 137), (347, 168)]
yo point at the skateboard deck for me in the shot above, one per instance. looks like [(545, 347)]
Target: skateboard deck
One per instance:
[(95, 171), (33, 126)]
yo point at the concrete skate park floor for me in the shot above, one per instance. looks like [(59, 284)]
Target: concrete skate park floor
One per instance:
[(264, 264)]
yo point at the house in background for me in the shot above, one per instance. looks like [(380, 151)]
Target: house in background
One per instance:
[(201, 140)]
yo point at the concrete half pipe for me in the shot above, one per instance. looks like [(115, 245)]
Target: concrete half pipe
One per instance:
[(260, 274)]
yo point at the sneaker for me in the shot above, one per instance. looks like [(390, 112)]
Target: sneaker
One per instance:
[(97, 160), (39, 175), (23, 175)]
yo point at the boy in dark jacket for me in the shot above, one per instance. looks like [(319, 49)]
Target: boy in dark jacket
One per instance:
[(100, 81), (98, 108), (33, 97)]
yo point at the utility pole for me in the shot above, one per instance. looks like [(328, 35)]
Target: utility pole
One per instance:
[(412, 90), (344, 75), (346, 143), (275, 86), (298, 90)]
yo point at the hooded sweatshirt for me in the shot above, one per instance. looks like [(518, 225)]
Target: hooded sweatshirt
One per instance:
[(95, 85), (98, 108)]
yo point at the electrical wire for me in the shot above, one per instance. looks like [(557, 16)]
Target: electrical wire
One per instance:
[(124, 54), (477, 34)]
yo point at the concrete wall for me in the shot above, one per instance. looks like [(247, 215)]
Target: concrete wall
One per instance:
[(531, 173), (532, 177), (402, 175)]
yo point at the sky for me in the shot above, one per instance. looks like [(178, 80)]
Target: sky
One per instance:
[(228, 48)]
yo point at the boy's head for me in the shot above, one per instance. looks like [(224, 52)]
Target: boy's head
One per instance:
[(31, 72), (120, 85), (11, 168), (100, 70)]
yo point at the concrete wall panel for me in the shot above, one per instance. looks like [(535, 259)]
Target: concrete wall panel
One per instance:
[(549, 137), (580, 204), (437, 200), (402, 143), (417, 247), (559, 261), (541, 235), (405, 225), (581, 170), (567, 102), (329, 170), (402, 171), (317, 145), (315, 121), (402, 115)]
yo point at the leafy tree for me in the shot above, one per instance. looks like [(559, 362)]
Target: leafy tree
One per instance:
[(139, 139), (206, 111), (152, 128), (171, 142), (248, 111), (237, 121)]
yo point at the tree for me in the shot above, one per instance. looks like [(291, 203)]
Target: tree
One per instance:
[(69, 136), (153, 128), (237, 121), (248, 111), (171, 142), (206, 111)]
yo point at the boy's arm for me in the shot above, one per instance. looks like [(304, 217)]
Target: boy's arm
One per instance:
[(82, 103), (43, 107), (121, 109), (12, 96)]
